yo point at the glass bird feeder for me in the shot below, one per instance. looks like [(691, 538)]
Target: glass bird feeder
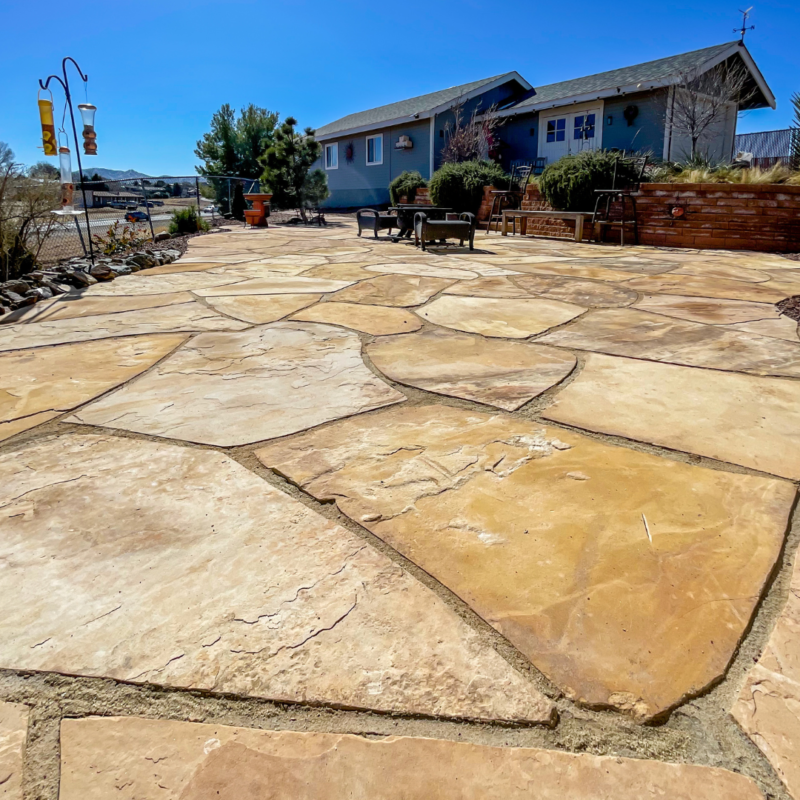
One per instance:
[(67, 186), (89, 136)]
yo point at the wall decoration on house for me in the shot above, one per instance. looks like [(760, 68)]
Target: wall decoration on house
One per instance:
[(404, 143), (350, 153), (630, 114), (48, 125)]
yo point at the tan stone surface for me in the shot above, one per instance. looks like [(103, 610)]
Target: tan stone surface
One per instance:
[(495, 372), (581, 292), (704, 269), (640, 334), (179, 266), (570, 270), (235, 388), (13, 733), (742, 419), (712, 311), (689, 285), (341, 272), (542, 533), (781, 328), (37, 385), (159, 284), (513, 319), (278, 284), (375, 320), (488, 287), (768, 707), (148, 562), (393, 290), (262, 308), (425, 270), (164, 319), (133, 758)]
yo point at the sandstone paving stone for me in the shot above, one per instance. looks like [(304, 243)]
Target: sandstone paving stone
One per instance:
[(491, 371), (132, 758), (393, 290), (781, 328), (179, 266), (543, 533), (262, 308), (742, 419), (424, 270), (690, 285), (159, 284), (768, 707), (235, 388), (152, 563), (37, 385), (712, 311), (488, 287), (164, 319), (570, 270), (514, 319), (590, 294), (703, 269), (13, 733), (640, 334), (347, 271), (275, 285), (375, 320)]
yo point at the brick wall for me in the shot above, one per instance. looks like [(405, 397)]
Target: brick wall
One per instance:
[(422, 198), (541, 226)]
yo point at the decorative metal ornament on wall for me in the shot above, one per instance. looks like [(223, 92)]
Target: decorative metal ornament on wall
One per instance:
[(404, 143), (630, 114), (350, 153)]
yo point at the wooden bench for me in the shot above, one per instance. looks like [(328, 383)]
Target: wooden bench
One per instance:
[(523, 216)]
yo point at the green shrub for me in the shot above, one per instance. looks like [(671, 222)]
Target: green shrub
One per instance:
[(460, 186), (569, 183), (406, 185), (186, 220)]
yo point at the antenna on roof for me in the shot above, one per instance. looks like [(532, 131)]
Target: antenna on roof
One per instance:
[(743, 30)]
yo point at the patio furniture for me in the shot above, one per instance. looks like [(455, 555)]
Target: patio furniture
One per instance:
[(524, 216), (371, 220), (511, 197), (432, 230), (602, 217), (406, 212), (257, 215)]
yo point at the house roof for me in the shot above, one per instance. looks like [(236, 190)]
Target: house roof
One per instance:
[(661, 72), (423, 106)]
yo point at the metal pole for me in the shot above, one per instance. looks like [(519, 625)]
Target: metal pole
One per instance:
[(80, 235), (147, 209), (197, 188), (230, 203)]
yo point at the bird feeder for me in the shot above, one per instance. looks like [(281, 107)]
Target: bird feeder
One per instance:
[(67, 186), (89, 136), (48, 126)]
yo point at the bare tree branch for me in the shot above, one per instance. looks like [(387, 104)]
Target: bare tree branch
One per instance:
[(469, 139)]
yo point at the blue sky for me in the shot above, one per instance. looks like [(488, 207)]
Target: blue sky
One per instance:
[(158, 70)]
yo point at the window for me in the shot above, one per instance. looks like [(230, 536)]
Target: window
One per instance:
[(332, 156), (584, 126), (557, 130), (375, 149)]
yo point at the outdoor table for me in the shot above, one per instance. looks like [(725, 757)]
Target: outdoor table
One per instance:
[(405, 216)]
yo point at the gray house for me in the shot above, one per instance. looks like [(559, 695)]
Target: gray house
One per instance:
[(627, 109)]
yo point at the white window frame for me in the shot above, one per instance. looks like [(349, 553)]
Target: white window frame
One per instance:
[(335, 146), (374, 163)]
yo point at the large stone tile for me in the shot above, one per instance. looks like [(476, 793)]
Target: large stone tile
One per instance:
[(488, 287), (590, 294), (424, 270), (712, 311), (151, 563), (640, 334), (375, 320), (569, 270), (491, 371), (179, 266), (159, 284), (132, 758), (781, 328), (275, 285), (768, 707), (13, 733), (692, 286), (341, 272), (707, 269), (37, 385), (393, 290), (231, 389), (592, 560), (262, 308), (164, 319), (742, 419), (512, 319)]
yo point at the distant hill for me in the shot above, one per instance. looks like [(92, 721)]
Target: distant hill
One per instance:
[(113, 174)]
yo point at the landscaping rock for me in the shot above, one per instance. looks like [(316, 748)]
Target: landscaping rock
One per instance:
[(102, 272), (160, 237), (16, 286)]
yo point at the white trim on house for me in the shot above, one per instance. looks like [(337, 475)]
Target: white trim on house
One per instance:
[(366, 155), (597, 106), (334, 148), (509, 76)]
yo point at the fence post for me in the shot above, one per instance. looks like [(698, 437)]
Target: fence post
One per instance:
[(199, 210), (230, 202), (147, 209), (80, 236)]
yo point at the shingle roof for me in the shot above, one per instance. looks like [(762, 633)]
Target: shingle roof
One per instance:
[(650, 71), (404, 108)]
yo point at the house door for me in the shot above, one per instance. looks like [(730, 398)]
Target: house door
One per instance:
[(569, 133)]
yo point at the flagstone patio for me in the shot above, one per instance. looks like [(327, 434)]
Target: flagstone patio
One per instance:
[(311, 515)]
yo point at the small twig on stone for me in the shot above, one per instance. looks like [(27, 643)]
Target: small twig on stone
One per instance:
[(647, 529)]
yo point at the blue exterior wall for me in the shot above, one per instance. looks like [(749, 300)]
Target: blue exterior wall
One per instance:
[(647, 132), (521, 136)]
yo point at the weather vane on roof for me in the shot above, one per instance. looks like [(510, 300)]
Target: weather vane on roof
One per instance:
[(743, 30)]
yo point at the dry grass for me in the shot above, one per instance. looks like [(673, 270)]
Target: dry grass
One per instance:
[(776, 174)]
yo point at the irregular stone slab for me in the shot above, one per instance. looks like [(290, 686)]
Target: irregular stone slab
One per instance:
[(39, 384), (214, 580), (159, 284), (706, 287), (512, 319), (231, 389), (179, 266), (711, 311), (131, 758), (276, 285), (262, 308), (767, 707), (742, 419), (424, 270), (495, 372), (733, 272), (375, 320), (590, 294), (393, 290), (184, 317), (781, 328), (639, 334), (341, 272), (13, 733), (570, 270), (488, 287), (543, 533)]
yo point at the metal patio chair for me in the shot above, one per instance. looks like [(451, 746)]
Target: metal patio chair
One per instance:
[(601, 217), (504, 199)]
